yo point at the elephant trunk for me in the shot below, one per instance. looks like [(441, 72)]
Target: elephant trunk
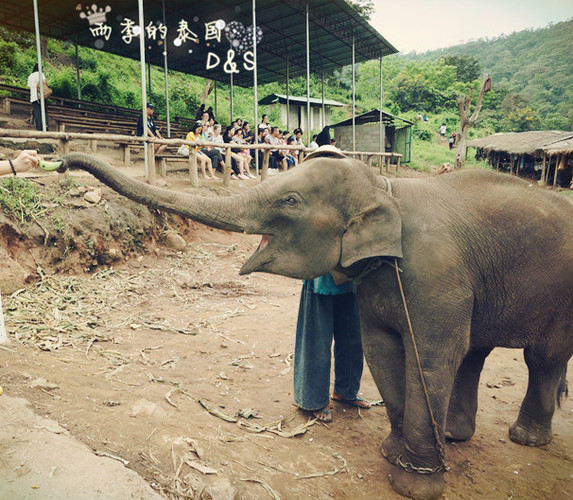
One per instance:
[(228, 213)]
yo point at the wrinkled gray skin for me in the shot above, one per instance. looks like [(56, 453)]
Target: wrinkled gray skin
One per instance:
[(486, 259)]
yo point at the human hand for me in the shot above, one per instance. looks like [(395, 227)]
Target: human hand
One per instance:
[(27, 159)]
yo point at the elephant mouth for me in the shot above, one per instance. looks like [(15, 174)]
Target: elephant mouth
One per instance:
[(258, 261), (264, 242)]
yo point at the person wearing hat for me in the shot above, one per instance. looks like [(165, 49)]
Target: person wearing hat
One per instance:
[(151, 129)]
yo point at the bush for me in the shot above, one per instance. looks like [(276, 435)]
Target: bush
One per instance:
[(64, 83), (423, 135), (8, 52)]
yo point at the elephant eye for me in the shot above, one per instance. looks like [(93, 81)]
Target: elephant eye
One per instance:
[(289, 200)]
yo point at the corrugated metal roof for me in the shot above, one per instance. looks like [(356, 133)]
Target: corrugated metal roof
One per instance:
[(282, 24), (374, 116), (274, 98)]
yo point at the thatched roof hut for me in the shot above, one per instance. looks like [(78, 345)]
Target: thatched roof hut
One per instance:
[(530, 143), (546, 152)]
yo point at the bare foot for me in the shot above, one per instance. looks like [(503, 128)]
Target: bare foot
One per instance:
[(323, 415)]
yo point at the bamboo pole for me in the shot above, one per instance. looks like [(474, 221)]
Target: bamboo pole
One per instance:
[(543, 173), (556, 169)]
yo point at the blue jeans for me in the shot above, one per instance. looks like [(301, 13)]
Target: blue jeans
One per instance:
[(320, 318)]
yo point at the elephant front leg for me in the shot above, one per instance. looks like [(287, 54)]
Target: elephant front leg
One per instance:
[(384, 353), (420, 468), (461, 421)]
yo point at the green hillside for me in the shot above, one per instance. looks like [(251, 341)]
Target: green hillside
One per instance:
[(531, 70), (536, 64)]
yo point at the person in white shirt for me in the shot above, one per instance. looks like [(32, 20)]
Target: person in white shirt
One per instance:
[(33, 81), (313, 143)]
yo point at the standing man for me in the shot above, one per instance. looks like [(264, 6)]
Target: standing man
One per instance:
[(151, 129), (33, 83), (327, 313)]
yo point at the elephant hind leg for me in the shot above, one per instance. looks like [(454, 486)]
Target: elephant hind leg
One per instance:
[(461, 420), (533, 425)]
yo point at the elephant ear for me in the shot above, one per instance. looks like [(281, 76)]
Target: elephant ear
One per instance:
[(377, 232)]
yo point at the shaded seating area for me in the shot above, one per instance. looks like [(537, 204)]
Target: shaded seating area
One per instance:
[(73, 115), (545, 156)]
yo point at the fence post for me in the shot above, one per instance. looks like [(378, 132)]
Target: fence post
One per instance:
[(151, 162), (227, 170), (265, 170), (193, 166)]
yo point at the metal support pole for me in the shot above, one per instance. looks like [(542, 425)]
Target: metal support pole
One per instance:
[(215, 89), (78, 71), (150, 96), (256, 110), (382, 148), (353, 96), (287, 92), (308, 132), (166, 73), (143, 86), (323, 121), (40, 72), (232, 109)]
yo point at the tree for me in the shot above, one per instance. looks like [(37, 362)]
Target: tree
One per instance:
[(467, 121), (364, 7), (207, 89), (467, 67)]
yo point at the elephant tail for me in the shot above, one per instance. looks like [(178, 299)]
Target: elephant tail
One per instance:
[(562, 388)]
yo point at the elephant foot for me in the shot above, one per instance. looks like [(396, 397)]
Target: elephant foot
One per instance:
[(530, 435), (392, 448), (417, 486), (459, 430)]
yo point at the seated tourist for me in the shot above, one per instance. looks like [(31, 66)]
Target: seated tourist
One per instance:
[(152, 130), (241, 161), (203, 160), (280, 158)]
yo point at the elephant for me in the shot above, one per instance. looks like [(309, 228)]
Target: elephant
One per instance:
[(446, 268)]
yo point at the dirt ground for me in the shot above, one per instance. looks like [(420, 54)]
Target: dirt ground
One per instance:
[(173, 368)]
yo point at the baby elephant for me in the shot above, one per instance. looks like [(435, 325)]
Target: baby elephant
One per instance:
[(446, 269)]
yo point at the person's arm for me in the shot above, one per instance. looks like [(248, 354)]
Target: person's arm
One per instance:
[(27, 159)]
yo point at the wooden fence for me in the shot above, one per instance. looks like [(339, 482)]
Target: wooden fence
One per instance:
[(64, 140)]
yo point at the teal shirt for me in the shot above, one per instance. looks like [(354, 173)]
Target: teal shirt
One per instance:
[(324, 285)]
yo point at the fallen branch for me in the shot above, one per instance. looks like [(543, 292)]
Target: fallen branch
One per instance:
[(344, 468), (269, 490)]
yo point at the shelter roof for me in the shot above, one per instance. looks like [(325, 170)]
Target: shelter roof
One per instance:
[(281, 28), (274, 98), (548, 141), (374, 116)]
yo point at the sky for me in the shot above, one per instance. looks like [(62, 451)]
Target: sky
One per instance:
[(421, 25)]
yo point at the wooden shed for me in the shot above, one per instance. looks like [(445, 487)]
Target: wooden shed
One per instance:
[(545, 156), (396, 134)]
